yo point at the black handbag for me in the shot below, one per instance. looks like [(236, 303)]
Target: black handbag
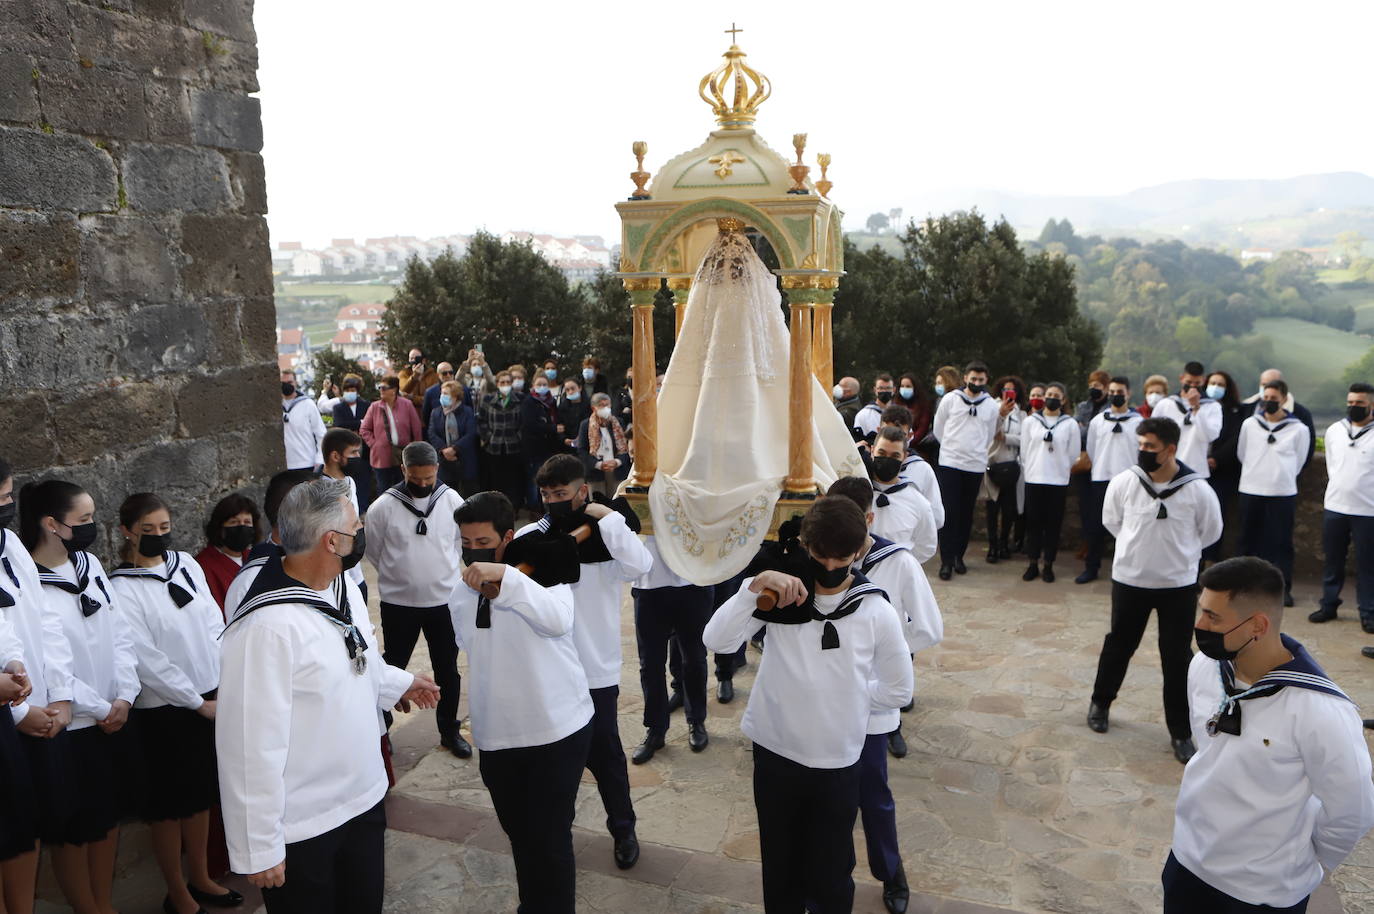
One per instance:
[(1004, 473)]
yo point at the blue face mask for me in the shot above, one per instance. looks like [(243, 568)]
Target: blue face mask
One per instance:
[(907, 392), (939, 390), (445, 401), (550, 373), (1215, 391), (476, 371), (350, 396), (589, 373), (574, 396)]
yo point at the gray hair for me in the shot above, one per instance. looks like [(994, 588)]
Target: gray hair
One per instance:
[(309, 511), (419, 454), (601, 398)]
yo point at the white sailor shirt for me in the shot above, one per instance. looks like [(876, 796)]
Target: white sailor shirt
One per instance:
[(413, 568), (526, 685), (918, 471), (1197, 430), (177, 646), (965, 427), (867, 419), (47, 655), (1049, 449), (302, 433), (1350, 469), (1155, 551), (659, 575), (1112, 443), (892, 567), (1271, 455), (902, 514)]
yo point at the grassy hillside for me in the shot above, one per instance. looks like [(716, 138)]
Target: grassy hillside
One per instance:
[(1309, 354), (354, 292)]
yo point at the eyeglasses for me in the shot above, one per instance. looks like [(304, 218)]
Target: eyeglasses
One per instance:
[(445, 374)]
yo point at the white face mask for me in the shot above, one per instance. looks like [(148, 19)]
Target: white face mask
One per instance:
[(838, 392), (1153, 398), (504, 389), (518, 383), (603, 412)]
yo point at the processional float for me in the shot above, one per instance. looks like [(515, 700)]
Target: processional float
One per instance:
[(743, 435)]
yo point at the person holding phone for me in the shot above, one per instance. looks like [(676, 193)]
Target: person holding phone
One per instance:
[(1198, 417)]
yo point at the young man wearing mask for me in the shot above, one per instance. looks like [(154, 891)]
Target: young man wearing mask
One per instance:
[(592, 378), (349, 413), (1282, 772), (1199, 418), (412, 540), (846, 394), (1349, 508), (341, 449), (302, 429), (1163, 514), (1112, 449), (870, 417), (1272, 446), (965, 424), (915, 469), (901, 513), (1290, 404)]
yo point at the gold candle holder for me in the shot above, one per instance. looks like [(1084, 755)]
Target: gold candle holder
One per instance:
[(823, 160), (798, 171), (639, 175)]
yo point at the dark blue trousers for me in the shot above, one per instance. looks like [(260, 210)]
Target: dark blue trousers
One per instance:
[(959, 492), (1337, 532), (1266, 530), (1093, 532), (606, 762), (1185, 893), (661, 614), (876, 809)]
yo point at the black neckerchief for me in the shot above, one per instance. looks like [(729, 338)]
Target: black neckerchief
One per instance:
[(1349, 431), (287, 407), (1281, 424), (974, 403), (1301, 672), (859, 588), (1181, 478), (273, 586), (551, 557), (6, 598), (881, 499), (1116, 423), (881, 549), (1185, 408), (404, 497), (81, 563), (1049, 429), (180, 596)]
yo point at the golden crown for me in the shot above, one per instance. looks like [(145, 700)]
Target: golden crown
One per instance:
[(726, 224), (735, 91)]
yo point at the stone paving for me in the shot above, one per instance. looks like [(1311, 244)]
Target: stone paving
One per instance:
[(1006, 800)]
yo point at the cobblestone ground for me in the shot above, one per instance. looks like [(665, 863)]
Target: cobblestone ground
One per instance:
[(1006, 800)]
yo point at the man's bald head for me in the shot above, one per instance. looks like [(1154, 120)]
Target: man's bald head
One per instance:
[(1270, 374), (850, 386)]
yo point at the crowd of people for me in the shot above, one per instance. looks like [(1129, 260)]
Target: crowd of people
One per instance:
[(238, 700)]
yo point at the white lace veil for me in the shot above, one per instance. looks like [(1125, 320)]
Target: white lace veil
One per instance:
[(723, 417)]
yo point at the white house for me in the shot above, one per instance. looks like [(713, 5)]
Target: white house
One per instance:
[(1256, 254), (360, 317)]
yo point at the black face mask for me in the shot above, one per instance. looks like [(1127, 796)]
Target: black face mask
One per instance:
[(884, 396), (1118, 399), (237, 539), (154, 545), (287, 388), (1147, 460), (1094, 394), (1271, 406), (83, 535), (975, 389), (560, 509), (828, 577), (7, 513), (1053, 403), (356, 556), (1356, 414), (418, 491), (471, 556), (885, 468), (1213, 644)]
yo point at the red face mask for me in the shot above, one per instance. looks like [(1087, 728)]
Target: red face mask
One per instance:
[(1037, 402)]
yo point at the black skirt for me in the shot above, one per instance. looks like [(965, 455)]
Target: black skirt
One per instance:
[(18, 811), (50, 767), (178, 751), (101, 779)]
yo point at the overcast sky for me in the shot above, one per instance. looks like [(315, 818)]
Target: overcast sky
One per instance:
[(427, 117)]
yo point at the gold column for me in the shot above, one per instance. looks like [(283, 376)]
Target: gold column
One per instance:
[(642, 290), (822, 342), (801, 294), (680, 286)]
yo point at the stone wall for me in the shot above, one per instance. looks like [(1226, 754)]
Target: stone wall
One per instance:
[(137, 347)]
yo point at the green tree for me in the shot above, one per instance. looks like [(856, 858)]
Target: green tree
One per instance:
[(877, 222), (1193, 339), (333, 364), (1350, 245), (608, 324)]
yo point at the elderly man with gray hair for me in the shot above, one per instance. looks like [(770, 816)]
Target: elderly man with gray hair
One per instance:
[(603, 446), (302, 682), (414, 547)]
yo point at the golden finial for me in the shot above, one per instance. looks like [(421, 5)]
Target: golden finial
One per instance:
[(798, 171), (639, 175), (823, 160), (725, 89), (727, 224)]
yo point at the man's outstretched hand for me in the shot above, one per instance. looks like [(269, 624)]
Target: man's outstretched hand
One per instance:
[(423, 693)]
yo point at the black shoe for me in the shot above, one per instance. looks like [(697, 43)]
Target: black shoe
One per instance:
[(960, 567), (455, 744), (697, 737), (1047, 574), (757, 642), (1368, 724), (1004, 551), (645, 750), (725, 692), (896, 895), (908, 706), (1097, 718), (1183, 749), (1287, 599), (1032, 572), (169, 908), (674, 702), (992, 555), (1089, 574), (230, 899), (1368, 626), (626, 851), (1322, 615), (1367, 652), (896, 744), (946, 572)]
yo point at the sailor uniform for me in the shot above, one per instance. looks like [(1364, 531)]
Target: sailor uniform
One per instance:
[(918, 471), (668, 608), (1049, 448), (596, 632), (829, 663), (1349, 514), (965, 427), (300, 776), (1160, 533), (868, 419), (18, 809), (175, 625), (414, 545), (1197, 430), (531, 721), (1271, 456), (1282, 775), (1112, 446), (902, 514), (302, 432)]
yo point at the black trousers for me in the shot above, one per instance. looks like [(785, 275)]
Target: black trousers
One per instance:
[(806, 834), (1266, 530), (1177, 608), (1044, 520), (1185, 893), (1226, 486), (508, 476), (384, 478), (1004, 506), (401, 628), (606, 762), (662, 614), (534, 791), (1337, 532), (959, 492), (339, 872), (361, 474), (1093, 532)]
